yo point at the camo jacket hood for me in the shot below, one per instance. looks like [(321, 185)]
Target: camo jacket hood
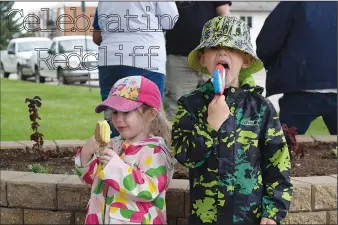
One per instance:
[(240, 173)]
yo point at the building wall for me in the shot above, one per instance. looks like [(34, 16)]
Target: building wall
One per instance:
[(258, 19), (66, 14), (79, 28), (73, 14)]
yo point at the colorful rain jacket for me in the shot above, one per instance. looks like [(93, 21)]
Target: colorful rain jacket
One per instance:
[(131, 188), (241, 172)]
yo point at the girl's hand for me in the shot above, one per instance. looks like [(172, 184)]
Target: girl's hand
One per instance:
[(267, 221), (88, 149), (91, 146), (106, 155)]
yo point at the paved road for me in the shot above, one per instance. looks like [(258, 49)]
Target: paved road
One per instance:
[(13, 76), (260, 80)]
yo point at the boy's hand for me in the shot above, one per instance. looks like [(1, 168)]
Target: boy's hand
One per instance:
[(267, 221), (218, 112), (106, 155)]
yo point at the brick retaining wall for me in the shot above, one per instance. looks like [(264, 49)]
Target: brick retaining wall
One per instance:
[(29, 198)]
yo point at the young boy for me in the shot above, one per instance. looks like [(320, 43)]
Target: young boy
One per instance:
[(233, 144)]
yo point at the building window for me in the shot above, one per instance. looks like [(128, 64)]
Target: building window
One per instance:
[(247, 19)]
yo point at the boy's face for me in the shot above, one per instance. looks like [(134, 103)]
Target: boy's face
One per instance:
[(231, 59)]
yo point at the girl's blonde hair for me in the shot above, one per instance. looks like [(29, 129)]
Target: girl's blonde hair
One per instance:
[(160, 126)]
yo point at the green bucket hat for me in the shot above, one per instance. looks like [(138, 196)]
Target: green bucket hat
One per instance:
[(229, 32)]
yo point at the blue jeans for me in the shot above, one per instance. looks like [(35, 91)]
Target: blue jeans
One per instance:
[(299, 109), (109, 75)]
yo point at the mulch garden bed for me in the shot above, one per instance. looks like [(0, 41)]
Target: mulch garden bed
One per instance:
[(318, 160)]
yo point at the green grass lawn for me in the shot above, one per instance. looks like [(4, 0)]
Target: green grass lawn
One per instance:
[(318, 127), (67, 112)]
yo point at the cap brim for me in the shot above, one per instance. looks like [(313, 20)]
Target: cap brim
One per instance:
[(118, 103)]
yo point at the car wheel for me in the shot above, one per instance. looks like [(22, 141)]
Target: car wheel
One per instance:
[(2, 72), (61, 77), (19, 73), (38, 77)]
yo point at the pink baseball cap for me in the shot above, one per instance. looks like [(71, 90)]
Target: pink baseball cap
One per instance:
[(131, 92)]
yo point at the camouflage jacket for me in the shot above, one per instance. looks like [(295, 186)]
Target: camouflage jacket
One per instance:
[(240, 173)]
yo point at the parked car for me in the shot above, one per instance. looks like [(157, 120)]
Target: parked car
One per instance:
[(69, 59), (17, 57)]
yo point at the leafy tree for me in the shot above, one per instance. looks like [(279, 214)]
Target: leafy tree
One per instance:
[(10, 24)]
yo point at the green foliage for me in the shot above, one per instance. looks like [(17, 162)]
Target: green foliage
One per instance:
[(67, 111), (37, 168), (9, 24), (37, 137)]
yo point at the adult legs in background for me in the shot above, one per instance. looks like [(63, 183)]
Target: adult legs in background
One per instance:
[(180, 80), (299, 109), (108, 75), (157, 78)]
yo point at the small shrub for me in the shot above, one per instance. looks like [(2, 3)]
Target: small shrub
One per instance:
[(295, 150), (37, 168), (37, 137)]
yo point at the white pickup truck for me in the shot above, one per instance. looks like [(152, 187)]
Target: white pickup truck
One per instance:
[(69, 59), (17, 57)]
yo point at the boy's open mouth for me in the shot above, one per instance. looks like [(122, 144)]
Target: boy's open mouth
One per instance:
[(225, 65)]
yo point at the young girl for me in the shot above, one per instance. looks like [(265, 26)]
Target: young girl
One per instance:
[(130, 177), (136, 35)]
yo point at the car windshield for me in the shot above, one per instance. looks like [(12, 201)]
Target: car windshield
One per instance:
[(32, 45), (75, 45)]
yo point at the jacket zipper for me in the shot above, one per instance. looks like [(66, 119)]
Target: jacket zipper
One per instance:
[(219, 177), (218, 155)]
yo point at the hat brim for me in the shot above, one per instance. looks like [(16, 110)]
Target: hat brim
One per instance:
[(194, 58), (118, 103)]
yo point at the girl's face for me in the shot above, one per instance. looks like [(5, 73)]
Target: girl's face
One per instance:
[(231, 59), (131, 125)]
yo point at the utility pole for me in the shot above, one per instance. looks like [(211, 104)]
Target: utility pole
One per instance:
[(83, 6)]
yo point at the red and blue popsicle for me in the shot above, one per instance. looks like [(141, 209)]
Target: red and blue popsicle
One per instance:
[(219, 79)]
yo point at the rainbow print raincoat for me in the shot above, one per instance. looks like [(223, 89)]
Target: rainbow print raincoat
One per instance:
[(131, 188)]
